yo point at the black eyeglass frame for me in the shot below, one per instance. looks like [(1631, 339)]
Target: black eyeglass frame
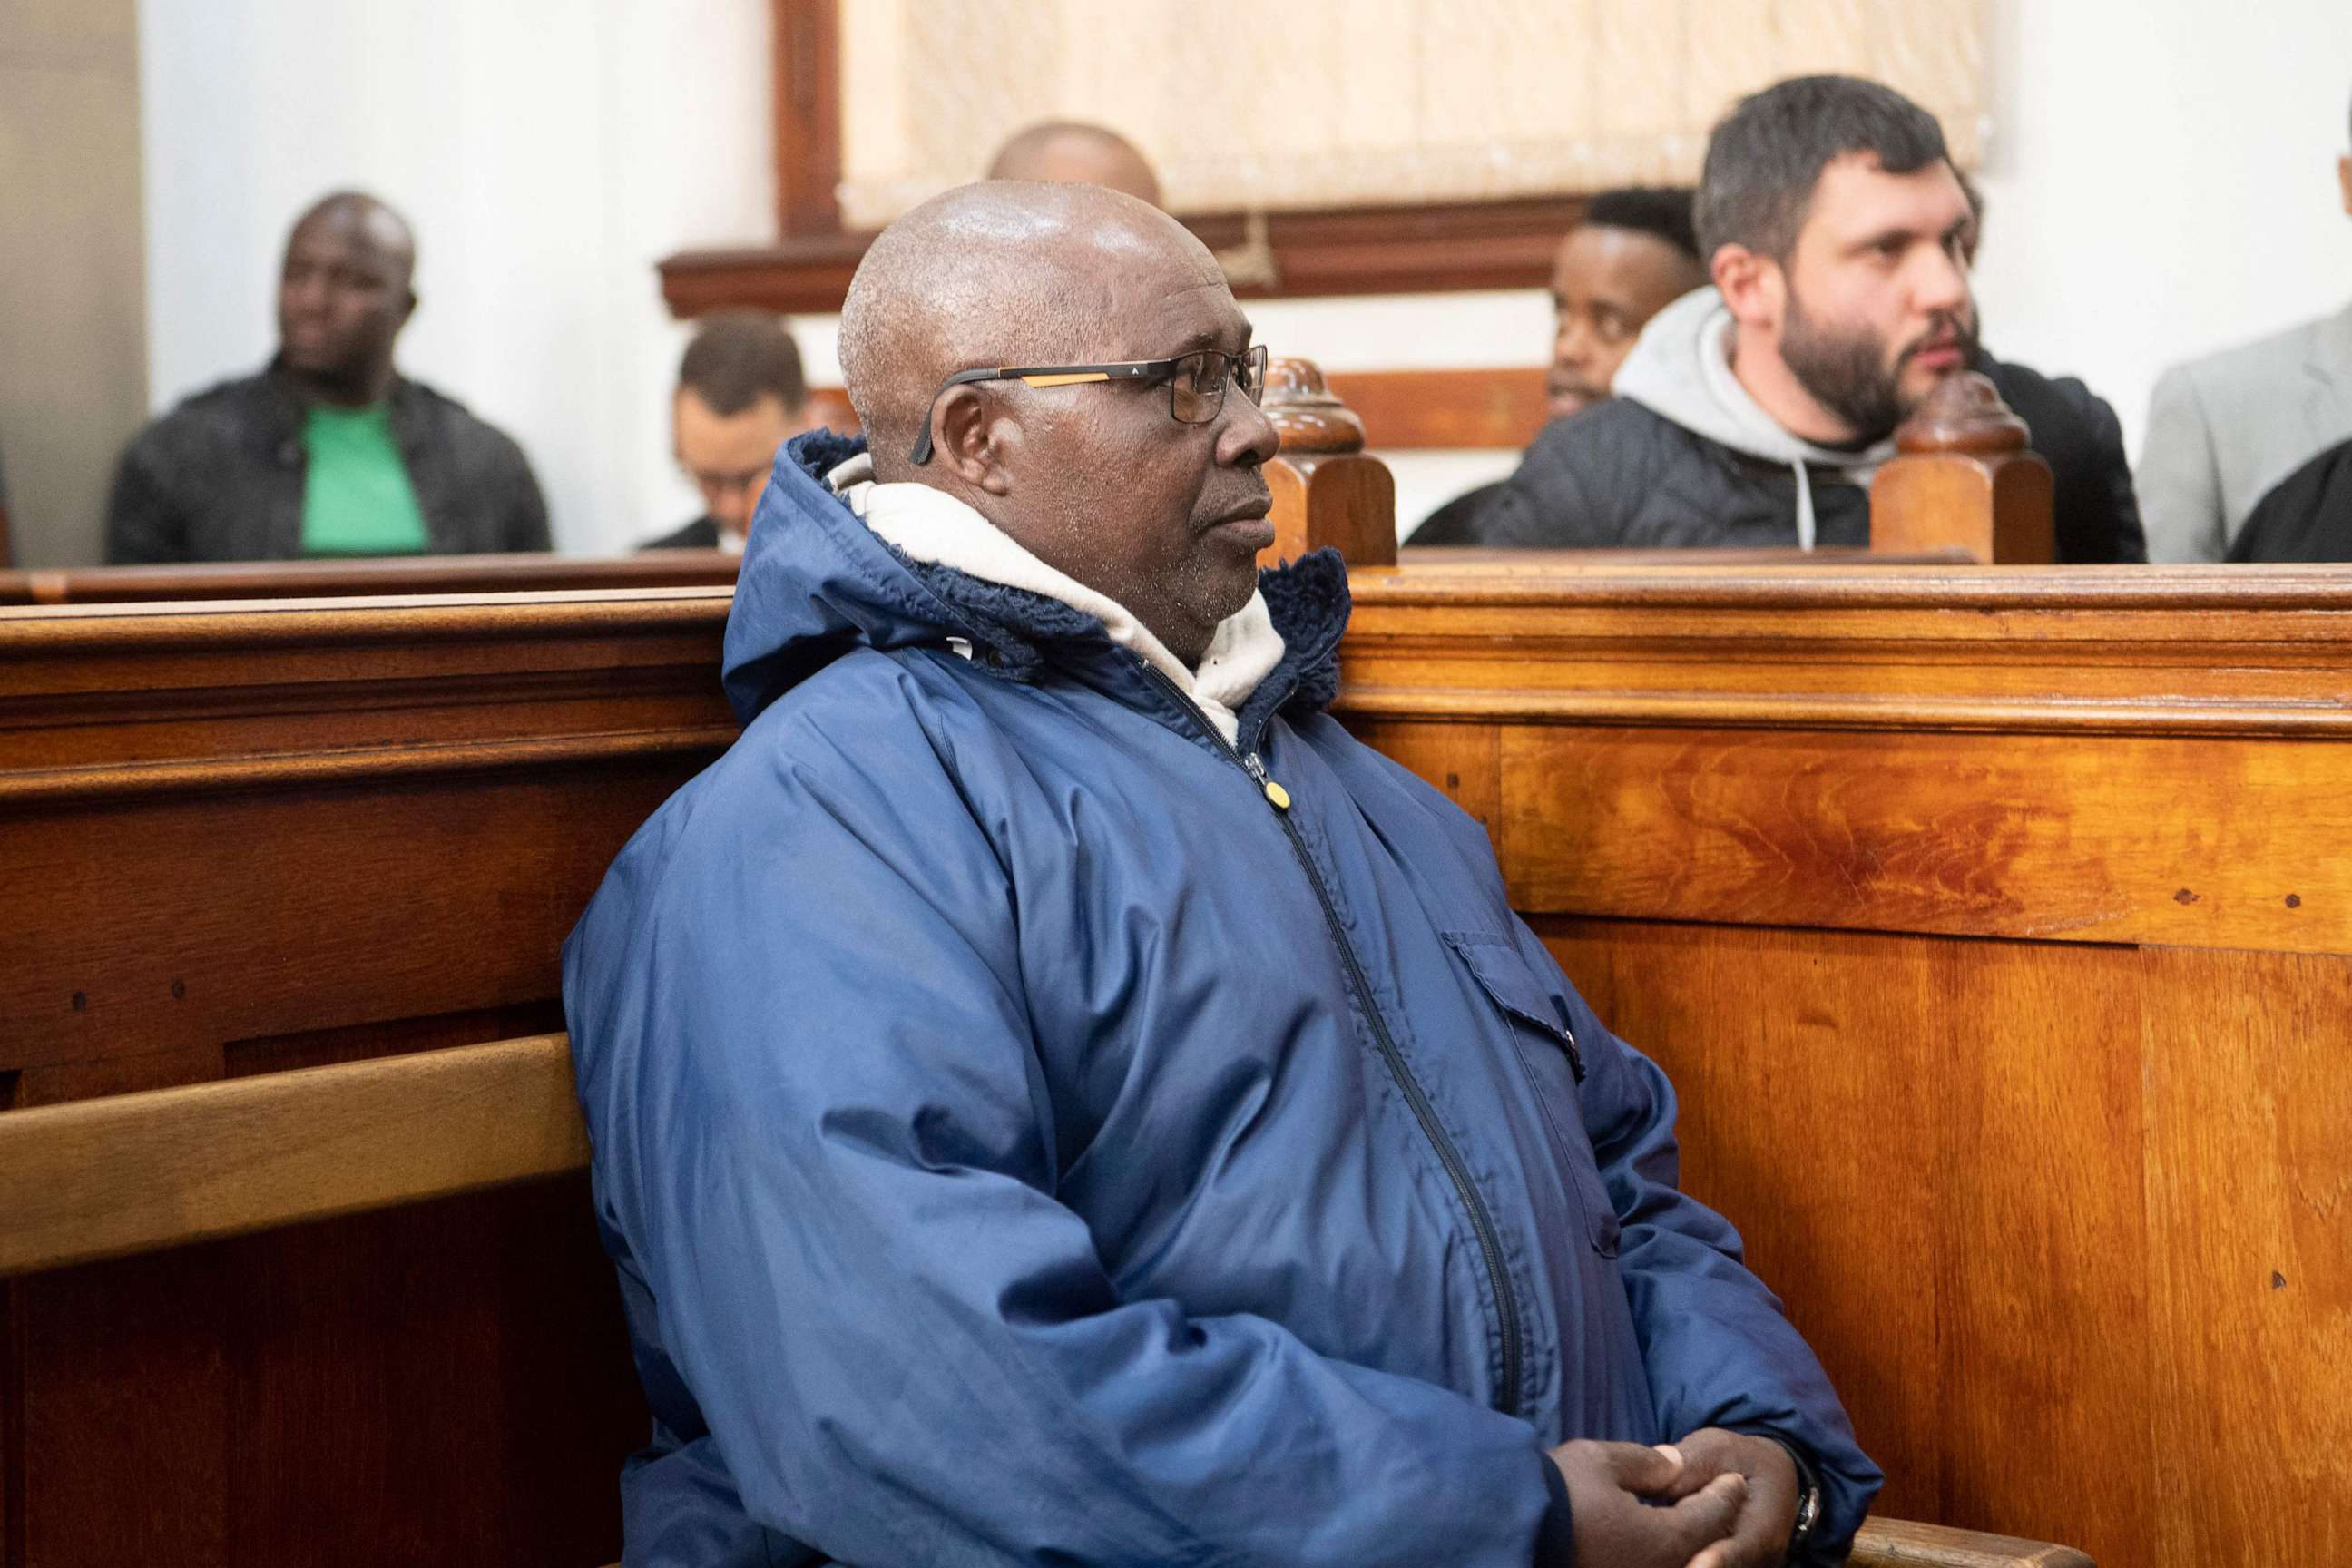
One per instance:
[(1126, 370)]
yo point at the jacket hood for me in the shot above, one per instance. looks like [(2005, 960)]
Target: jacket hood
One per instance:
[(1680, 370), (817, 582)]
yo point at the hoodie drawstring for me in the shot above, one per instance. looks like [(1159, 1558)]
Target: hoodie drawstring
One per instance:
[(1804, 506)]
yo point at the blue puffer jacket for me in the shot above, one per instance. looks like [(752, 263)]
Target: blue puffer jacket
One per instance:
[(1022, 1142)]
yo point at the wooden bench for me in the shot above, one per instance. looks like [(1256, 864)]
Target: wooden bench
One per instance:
[(127, 1173), (340, 579), (333, 837)]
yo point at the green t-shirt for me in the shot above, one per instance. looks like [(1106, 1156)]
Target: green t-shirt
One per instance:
[(356, 497)]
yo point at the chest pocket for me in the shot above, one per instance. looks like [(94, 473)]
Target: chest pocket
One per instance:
[(1552, 1062)]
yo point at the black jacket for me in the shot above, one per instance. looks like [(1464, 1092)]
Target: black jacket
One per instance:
[(2306, 516), (702, 533), (220, 477), (1619, 475)]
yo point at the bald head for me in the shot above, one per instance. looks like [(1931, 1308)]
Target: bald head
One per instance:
[(1144, 487), (1070, 152), (344, 293), (370, 224), (1002, 273)]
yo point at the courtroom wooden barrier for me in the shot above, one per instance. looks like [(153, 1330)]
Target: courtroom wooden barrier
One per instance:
[(1996, 929), (392, 575), (1964, 476), (240, 839), (99, 1178)]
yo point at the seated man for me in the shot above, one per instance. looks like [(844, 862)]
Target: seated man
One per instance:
[(2224, 430), (739, 397), (1634, 253), (1755, 412), (1057, 1098), (328, 451)]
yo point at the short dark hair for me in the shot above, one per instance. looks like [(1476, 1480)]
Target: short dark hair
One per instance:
[(1663, 212), (737, 357), (1767, 155)]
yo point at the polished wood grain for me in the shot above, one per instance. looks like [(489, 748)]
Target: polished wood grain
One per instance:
[(1895, 1544), (137, 1171), (1446, 410), (1965, 475), (340, 579), (1327, 492), (267, 836), (130, 1172), (2055, 1201), (1399, 249), (1991, 924), (806, 95)]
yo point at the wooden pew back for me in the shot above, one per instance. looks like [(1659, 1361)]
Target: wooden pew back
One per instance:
[(283, 836), (1995, 929), (241, 838)]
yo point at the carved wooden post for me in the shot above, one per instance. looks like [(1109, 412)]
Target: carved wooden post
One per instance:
[(1326, 490), (1965, 476)]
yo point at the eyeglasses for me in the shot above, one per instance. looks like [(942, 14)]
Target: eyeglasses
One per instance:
[(1196, 382)]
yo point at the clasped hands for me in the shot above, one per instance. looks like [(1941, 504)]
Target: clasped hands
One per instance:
[(1715, 1499)]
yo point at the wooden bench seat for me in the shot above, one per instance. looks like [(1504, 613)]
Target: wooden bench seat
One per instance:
[(102, 1178)]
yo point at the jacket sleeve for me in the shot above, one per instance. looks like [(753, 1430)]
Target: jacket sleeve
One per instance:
[(526, 527), (2180, 482), (144, 520), (1546, 503), (1717, 1347), (834, 1158), (2107, 524)]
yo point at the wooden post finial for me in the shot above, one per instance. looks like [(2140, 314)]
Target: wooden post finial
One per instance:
[(1966, 475), (1326, 488)]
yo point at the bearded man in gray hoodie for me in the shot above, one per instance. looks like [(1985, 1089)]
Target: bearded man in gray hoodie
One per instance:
[(1752, 412)]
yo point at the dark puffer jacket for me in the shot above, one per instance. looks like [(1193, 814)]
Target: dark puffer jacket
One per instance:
[(1026, 1137), (1619, 476), (220, 477)]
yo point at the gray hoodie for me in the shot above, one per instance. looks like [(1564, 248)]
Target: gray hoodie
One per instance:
[(1681, 370)]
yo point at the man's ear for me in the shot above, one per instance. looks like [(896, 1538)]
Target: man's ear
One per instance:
[(970, 434), (408, 307), (2344, 178), (1752, 285)]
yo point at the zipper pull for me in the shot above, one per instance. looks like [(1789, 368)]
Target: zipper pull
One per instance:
[(1274, 792)]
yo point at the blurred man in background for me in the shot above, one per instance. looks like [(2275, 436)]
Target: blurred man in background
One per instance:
[(1632, 254), (328, 451), (741, 396)]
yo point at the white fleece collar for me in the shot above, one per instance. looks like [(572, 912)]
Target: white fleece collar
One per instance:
[(931, 525), (1680, 369)]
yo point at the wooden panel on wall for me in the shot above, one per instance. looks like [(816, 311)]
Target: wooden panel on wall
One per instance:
[(446, 1382), (2025, 1248), (1856, 858), (246, 836), (1994, 835)]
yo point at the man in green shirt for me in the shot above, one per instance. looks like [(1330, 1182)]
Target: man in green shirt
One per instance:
[(328, 451)]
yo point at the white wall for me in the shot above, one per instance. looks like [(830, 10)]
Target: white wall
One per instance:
[(2161, 183), (547, 152)]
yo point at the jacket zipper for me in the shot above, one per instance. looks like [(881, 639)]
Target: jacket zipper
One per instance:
[(1490, 1244)]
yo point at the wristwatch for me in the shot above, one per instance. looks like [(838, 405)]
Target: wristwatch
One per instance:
[(1809, 1499)]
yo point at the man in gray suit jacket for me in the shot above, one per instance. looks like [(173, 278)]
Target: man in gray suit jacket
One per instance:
[(2223, 430)]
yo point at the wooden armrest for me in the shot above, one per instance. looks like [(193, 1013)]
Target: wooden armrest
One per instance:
[(130, 1173), (1899, 1543)]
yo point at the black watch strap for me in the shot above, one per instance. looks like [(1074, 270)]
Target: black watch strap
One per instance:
[(1809, 1498)]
